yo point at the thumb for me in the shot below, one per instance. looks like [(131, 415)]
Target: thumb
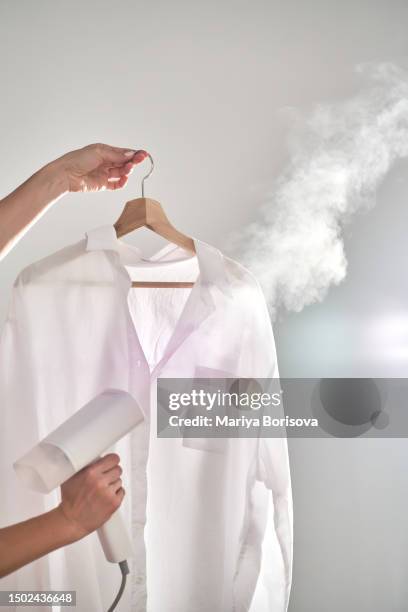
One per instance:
[(116, 155)]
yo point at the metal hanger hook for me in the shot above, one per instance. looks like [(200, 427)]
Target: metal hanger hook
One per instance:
[(149, 173)]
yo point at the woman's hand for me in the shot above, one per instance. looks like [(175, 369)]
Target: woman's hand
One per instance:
[(88, 500), (90, 496), (92, 168), (97, 167)]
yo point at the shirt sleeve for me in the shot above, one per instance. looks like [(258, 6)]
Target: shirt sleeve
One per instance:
[(273, 458), (274, 471)]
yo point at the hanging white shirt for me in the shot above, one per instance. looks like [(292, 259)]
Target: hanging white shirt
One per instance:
[(212, 532)]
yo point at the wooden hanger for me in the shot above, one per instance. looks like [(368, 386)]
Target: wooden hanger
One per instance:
[(145, 212)]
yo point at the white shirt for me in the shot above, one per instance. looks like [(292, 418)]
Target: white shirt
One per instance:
[(212, 532)]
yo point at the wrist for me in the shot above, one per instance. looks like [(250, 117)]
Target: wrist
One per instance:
[(54, 178), (70, 528)]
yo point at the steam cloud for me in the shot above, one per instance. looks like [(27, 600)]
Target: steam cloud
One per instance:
[(339, 154)]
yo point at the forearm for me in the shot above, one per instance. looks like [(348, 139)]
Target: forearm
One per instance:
[(25, 205), (24, 542)]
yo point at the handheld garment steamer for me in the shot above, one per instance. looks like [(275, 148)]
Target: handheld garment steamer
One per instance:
[(76, 443)]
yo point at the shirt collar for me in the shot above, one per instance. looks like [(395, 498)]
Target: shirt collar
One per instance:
[(211, 261)]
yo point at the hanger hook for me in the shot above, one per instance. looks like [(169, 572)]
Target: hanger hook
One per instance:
[(149, 173)]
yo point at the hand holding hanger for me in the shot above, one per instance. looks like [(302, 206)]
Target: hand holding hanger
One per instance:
[(92, 168), (97, 167)]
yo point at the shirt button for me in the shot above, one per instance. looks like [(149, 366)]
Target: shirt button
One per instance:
[(138, 363)]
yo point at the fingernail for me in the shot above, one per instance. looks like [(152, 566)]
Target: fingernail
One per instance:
[(129, 153)]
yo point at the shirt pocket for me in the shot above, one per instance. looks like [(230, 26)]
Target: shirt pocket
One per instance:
[(208, 443)]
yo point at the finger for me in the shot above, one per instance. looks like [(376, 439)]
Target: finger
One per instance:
[(116, 155), (133, 161), (120, 494), (120, 171), (107, 462), (113, 474), (116, 485), (117, 184), (113, 155), (138, 157), (136, 151)]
